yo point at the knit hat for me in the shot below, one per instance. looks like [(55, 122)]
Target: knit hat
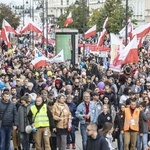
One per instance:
[(25, 98), (101, 91), (49, 73), (57, 81), (43, 85)]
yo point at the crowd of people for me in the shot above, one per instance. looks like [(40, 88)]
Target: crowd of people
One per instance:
[(45, 107)]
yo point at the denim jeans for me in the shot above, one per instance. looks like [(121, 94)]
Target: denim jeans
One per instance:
[(5, 137), (24, 137), (84, 135), (71, 135), (120, 141), (142, 140)]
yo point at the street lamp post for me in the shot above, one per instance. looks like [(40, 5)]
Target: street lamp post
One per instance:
[(126, 35), (23, 13), (84, 19), (46, 23)]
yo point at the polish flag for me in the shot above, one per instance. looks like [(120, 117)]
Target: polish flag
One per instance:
[(4, 35), (141, 31), (39, 62), (129, 54), (31, 26), (69, 20), (101, 38), (90, 32), (9, 28), (105, 23), (130, 29)]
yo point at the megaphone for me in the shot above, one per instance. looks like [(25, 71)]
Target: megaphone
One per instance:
[(30, 129)]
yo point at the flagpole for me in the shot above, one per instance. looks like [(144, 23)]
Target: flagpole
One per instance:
[(46, 23), (23, 12), (84, 17), (126, 35)]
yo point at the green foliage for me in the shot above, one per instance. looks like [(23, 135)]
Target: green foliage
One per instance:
[(116, 13), (77, 15), (7, 14), (113, 9)]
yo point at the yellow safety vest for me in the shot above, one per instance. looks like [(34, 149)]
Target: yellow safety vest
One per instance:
[(131, 121), (41, 119)]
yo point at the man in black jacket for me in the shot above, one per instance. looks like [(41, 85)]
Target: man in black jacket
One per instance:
[(95, 141), (8, 120)]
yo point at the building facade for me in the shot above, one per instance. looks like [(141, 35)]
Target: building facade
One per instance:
[(141, 8)]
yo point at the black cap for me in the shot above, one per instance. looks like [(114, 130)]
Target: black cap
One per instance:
[(50, 93)]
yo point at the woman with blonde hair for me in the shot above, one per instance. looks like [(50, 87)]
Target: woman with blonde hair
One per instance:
[(62, 116)]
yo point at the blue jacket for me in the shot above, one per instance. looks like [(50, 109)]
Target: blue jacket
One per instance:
[(72, 107), (11, 117), (81, 111)]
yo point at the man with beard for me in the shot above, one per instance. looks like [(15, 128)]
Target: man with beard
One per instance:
[(77, 92), (89, 84), (131, 125)]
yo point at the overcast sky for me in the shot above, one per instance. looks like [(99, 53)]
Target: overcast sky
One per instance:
[(12, 2)]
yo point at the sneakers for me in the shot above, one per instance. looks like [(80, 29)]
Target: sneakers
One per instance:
[(68, 146), (73, 146)]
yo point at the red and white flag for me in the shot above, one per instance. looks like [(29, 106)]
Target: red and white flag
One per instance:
[(39, 62), (69, 20), (105, 23), (130, 29), (31, 26), (90, 32), (129, 54), (116, 47), (4, 35), (9, 28), (141, 31), (101, 38)]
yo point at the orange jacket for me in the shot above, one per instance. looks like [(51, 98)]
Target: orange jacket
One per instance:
[(131, 121)]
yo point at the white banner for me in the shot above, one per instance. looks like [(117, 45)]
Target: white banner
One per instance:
[(58, 58)]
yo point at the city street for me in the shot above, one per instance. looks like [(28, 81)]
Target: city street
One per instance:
[(78, 142)]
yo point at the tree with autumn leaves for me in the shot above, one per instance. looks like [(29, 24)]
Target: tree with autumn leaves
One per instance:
[(10, 16)]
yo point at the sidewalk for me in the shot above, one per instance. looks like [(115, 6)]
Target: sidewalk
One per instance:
[(78, 142)]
